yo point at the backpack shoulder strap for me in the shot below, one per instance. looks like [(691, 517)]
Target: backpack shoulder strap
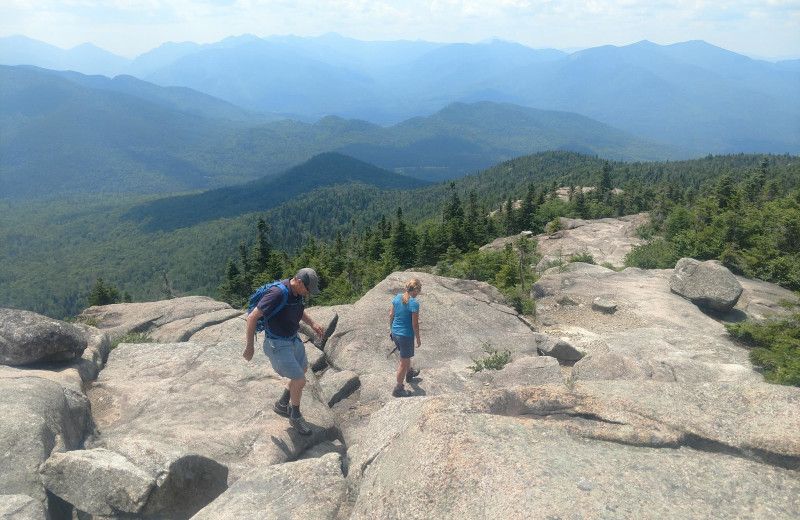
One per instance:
[(284, 299)]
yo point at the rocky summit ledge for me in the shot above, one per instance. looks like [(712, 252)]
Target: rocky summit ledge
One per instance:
[(623, 399)]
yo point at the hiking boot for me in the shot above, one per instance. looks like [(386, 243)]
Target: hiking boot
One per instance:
[(300, 425), (411, 374), (399, 391), (281, 409)]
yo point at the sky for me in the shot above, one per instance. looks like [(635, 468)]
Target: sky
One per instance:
[(768, 29)]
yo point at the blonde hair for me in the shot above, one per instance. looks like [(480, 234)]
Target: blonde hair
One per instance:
[(411, 285)]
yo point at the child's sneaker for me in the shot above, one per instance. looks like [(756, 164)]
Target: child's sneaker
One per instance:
[(411, 374)]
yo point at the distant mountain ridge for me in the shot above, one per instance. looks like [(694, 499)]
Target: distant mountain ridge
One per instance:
[(66, 133), (85, 58), (327, 169), (691, 94)]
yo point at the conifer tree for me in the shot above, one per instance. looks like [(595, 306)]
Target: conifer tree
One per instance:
[(527, 209), (103, 294), (247, 272), (402, 243), (474, 229), (426, 249), (605, 186), (263, 247)]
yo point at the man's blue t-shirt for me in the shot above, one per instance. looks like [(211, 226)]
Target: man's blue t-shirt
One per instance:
[(401, 325), (287, 322)]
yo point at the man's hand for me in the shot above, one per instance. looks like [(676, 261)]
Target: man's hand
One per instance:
[(247, 353), (319, 330)]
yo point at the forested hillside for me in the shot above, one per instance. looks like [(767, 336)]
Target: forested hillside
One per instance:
[(328, 169), (64, 133), (54, 251)]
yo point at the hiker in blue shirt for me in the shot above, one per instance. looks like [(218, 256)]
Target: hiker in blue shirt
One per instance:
[(282, 346), (403, 328)]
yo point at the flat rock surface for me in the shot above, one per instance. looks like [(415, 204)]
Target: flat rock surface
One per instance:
[(641, 407), (607, 240), (204, 398)]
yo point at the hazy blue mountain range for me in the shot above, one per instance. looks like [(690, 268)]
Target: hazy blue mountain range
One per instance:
[(692, 94), (182, 99), (66, 133), (86, 58)]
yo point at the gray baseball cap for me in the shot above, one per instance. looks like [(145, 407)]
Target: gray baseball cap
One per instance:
[(309, 278)]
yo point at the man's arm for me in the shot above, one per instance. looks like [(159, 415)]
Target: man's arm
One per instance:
[(308, 321), (250, 333)]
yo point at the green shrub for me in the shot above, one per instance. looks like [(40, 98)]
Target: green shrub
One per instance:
[(658, 254), (132, 337), (494, 359), (775, 345), (554, 225), (584, 256), (529, 307), (646, 231), (93, 321)]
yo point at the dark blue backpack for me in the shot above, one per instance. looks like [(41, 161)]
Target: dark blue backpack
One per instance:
[(263, 324)]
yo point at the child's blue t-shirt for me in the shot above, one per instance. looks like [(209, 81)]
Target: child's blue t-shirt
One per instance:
[(401, 325)]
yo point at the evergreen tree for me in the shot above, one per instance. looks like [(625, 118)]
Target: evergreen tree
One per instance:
[(605, 187), (725, 191), (263, 247), (247, 272), (474, 229), (427, 253), (453, 220), (579, 203), (338, 258), (373, 245), (527, 209), (509, 218), (402, 243), (233, 290), (103, 294), (384, 228)]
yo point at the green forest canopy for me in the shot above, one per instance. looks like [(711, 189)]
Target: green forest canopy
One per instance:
[(54, 251)]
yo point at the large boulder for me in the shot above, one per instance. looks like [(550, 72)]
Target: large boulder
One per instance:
[(158, 482), (44, 409), (21, 507), (179, 317), (40, 417), (27, 337), (459, 321), (184, 328), (311, 488), (707, 284), (98, 345), (99, 482)]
